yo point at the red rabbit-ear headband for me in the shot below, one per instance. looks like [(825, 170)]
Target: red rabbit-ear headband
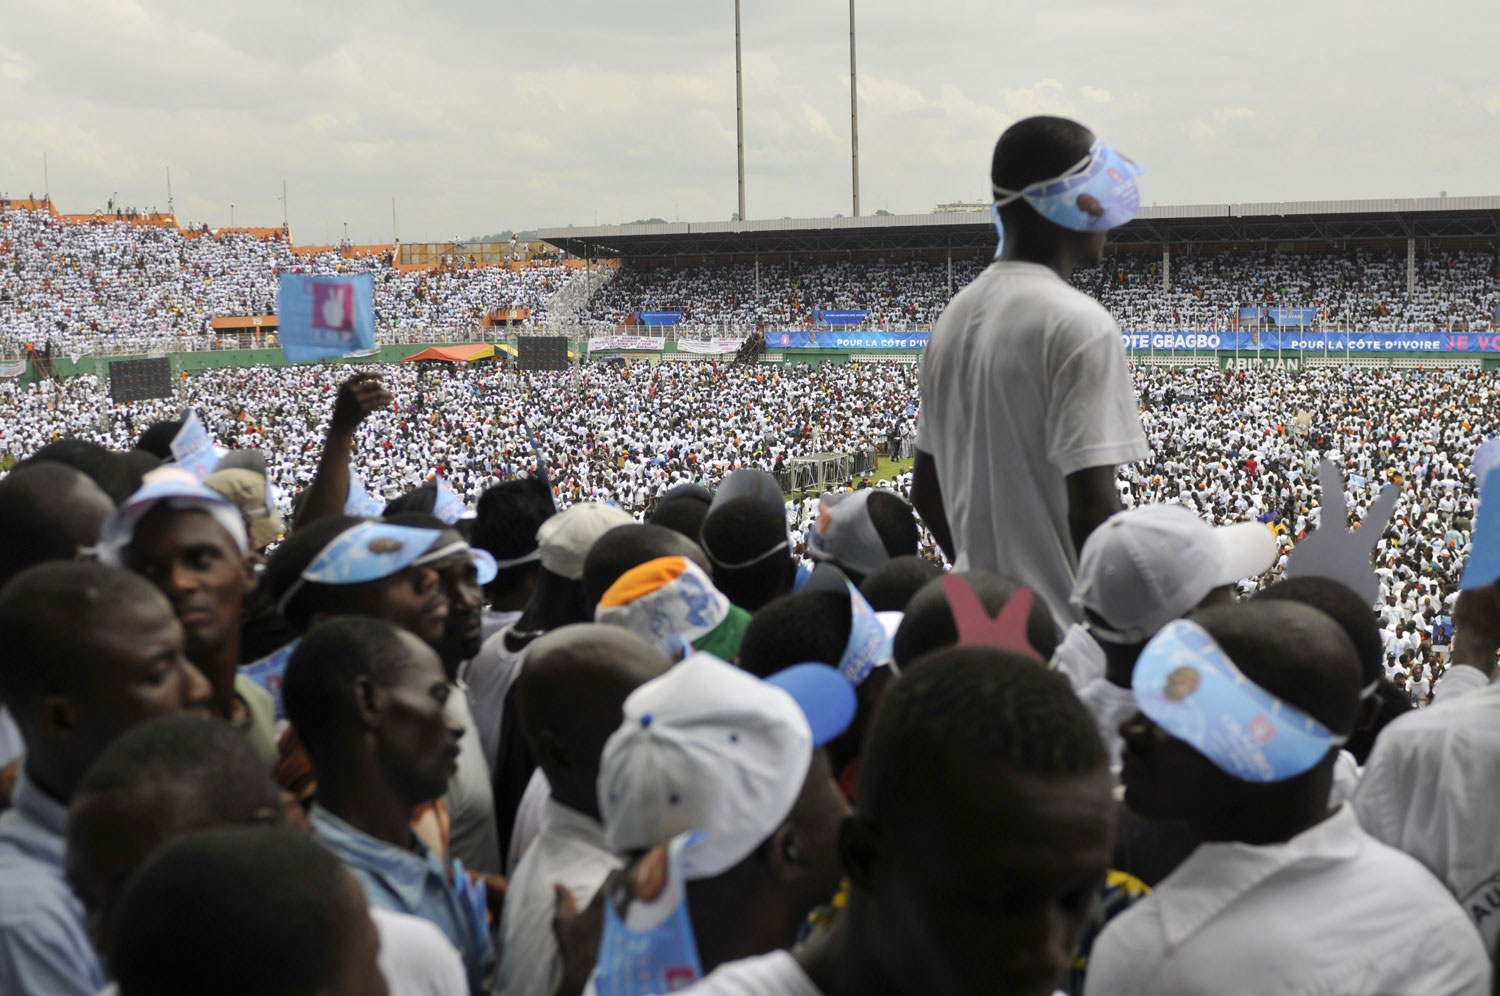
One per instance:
[(976, 627)]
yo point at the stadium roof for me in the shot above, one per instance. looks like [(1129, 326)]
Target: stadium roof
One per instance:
[(1293, 221)]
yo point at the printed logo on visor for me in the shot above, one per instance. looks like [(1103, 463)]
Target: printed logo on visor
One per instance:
[(1098, 193), (1187, 685), (368, 552)]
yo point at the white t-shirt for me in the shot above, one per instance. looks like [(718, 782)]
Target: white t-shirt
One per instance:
[(1110, 705), (1023, 383), (774, 974), (415, 958), (489, 675), (473, 836)]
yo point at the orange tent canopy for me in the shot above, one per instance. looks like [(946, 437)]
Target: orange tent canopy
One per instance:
[(454, 354)]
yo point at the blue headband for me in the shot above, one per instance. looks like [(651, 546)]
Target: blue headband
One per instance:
[(1096, 194), (1185, 683)]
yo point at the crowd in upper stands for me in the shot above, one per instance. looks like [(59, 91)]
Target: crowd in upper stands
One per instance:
[(128, 286), (122, 285)]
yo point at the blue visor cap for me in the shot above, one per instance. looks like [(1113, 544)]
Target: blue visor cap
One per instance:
[(1097, 194), (368, 552), (485, 564), (1483, 566), (823, 695), (1185, 683)]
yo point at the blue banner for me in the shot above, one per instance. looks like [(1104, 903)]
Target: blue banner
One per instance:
[(846, 340), (1316, 342), (840, 317), (325, 316), (658, 317)]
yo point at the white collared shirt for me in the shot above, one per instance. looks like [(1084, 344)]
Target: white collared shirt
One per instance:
[(1429, 789), (570, 850), (1331, 911)]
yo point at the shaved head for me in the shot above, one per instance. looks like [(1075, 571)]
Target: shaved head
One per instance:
[(48, 511), (570, 696)]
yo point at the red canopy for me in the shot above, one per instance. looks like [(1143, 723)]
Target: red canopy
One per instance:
[(454, 354)]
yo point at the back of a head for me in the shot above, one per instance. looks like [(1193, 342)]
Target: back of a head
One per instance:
[(895, 522), (794, 629), (928, 624), (624, 547), (1296, 652), (110, 470), (237, 912), (419, 499), (321, 673), (157, 437), (507, 518), (894, 583), (48, 613), (1034, 149), (291, 558), (746, 541), (1346, 608), (195, 764), (966, 706), (682, 510), (48, 511)]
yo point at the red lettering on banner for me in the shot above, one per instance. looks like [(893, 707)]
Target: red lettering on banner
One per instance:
[(1484, 341)]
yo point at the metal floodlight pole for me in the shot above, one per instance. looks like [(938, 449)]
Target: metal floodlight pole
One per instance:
[(739, 108), (853, 110)]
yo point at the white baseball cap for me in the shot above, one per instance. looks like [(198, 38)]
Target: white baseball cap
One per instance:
[(181, 490), (1146, 566), (564, 540), (712, 749)]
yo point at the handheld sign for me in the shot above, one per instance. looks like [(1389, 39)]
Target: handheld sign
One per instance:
[(1334, 550), (325, 316), (1483, 566), (193, 448)]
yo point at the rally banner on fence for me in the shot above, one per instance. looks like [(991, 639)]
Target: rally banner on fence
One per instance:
[(840, 317), (325, 316), (1317, 342), (626, 342), (15, 368), (846, 340), (710, 346)]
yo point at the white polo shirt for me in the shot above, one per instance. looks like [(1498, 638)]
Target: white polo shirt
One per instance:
[(1330, 911), (1023, 383), (569, 850), (1429, 789)]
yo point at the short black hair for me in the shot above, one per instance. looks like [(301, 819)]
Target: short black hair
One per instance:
[(1296, 652), (682, 509), (108, 469), (33, 522), (421, 498), (205, 763), (623, 548), (891, 585), (894, 522), (157, 437), (737, 532), (47, 611), (322, 671), (794, 629), (505, 524), (291, 558), (239, 911), (1348, 609), (1033, 149), (966, 706), (929, 621)]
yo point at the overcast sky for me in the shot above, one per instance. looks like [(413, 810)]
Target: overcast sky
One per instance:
[(478, 115)]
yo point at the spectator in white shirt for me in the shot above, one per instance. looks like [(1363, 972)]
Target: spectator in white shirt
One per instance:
[(569, 697), (1281, 896)]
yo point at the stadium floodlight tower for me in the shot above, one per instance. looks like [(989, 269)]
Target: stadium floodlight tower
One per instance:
[(853, 110), (739, 109)]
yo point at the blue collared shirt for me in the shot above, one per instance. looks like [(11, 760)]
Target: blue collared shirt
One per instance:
[(410, 880), (44, 946)]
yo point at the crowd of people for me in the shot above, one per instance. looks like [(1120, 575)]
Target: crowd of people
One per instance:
[(359, 679), (129, 286), (119, 286)]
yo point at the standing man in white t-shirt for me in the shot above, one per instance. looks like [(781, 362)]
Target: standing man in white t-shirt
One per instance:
[(1027, 404)]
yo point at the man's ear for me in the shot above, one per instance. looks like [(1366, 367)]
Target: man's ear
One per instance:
[(859, 850), (1369, 711), (369, 701), (787, 853), (57, 719), (550, 745), (247, 575)]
